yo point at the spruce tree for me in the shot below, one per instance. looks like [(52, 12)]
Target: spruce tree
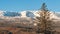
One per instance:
[(44, 25)]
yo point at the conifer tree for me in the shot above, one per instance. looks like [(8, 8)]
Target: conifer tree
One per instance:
[(44, 24)]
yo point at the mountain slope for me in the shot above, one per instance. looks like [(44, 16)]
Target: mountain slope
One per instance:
[(31, 14)]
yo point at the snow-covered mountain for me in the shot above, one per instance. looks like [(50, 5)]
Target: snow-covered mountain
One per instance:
[(11, 14), (27, 14), (31, 14), (27, 18)]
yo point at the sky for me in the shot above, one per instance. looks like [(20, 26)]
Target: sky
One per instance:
[(21, 5)]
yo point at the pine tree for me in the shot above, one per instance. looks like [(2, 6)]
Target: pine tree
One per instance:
[(44, 25)]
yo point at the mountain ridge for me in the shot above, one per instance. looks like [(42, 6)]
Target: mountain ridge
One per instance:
[(31, 14)]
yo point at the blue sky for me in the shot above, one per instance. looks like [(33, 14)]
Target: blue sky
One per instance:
[(20, 5)]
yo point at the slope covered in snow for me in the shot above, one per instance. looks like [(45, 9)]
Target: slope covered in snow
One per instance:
[(26, 18), (23, 14)]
